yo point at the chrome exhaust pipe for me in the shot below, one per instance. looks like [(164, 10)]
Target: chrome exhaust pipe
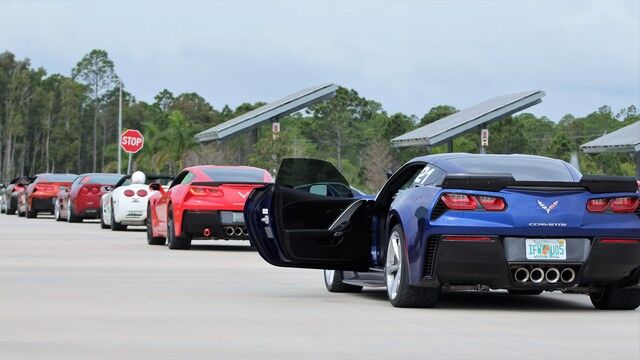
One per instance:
[(245, 231), (228, 230), (552, 275), (238, 231), (536, 275), (521, 275), (567, 275)]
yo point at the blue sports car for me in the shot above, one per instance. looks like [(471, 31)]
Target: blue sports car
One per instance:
[(522, 223)]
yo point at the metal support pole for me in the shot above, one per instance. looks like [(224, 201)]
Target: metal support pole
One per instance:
[(637, 159), (482, 148), (129, 167), (450, 145), (120, 133)]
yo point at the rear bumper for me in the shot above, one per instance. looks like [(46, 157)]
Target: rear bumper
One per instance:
[(42, 204), (493, 263), (89, 213), (212, 225)]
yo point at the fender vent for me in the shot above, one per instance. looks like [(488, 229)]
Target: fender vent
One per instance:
[(430, 256), (438, 210)]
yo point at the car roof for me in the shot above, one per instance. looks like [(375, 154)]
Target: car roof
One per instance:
[(444, 162), (202, 167)]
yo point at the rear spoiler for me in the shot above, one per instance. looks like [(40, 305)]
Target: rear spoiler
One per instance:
[(596, 184), (218, 183)]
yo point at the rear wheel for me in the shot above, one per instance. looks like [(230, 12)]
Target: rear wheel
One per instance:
[(333, 282), (116, 226), (614, 298), (180, 242), (31, 214), (399, 291), (71, 217), (152, 240)]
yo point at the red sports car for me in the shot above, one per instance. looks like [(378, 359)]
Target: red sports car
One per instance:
[(82, 199), (203, 202), (13, 193), (40, 195)]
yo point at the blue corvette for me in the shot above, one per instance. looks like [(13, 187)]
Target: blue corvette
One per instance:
[(522, 223)]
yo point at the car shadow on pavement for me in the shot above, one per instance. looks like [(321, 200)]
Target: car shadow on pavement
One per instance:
[(495, 300)]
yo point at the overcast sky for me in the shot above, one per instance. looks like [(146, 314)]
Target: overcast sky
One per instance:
[(409, 56)]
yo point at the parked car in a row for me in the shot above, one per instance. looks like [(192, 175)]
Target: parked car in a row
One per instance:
[(40, 195), (82, 199)]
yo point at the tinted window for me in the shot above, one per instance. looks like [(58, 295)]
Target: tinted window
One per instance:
[(314, 176), (57, 178), (103, 179), (522, 169), (187, 179), (234, 174)]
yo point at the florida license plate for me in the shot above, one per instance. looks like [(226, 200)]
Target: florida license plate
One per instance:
[(546, 249), (238, 217)]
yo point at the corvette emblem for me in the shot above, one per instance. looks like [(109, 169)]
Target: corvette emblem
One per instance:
[(243, 195), (549, 207)]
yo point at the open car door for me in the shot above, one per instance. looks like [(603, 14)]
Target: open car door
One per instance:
[(309, 219)]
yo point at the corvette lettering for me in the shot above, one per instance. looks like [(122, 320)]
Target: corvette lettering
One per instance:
[(548, 224)]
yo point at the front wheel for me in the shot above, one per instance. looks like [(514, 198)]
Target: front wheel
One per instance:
[(399, 291), (614, 298), (176, 242), (333, 282)]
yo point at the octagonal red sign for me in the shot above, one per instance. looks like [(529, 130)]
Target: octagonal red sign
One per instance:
[(131, 141)]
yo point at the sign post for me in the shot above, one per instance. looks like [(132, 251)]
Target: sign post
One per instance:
[(131, 141), (484, 140)]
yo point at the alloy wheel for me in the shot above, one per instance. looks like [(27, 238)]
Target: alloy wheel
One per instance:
[(393, 265)]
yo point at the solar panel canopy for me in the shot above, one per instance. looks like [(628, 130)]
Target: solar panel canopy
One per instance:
[(626, 139), (469, 119), (267, 113)]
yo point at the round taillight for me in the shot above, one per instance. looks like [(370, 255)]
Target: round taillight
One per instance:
[(84, 190), (142, 193), (95, 190), (129, 193)]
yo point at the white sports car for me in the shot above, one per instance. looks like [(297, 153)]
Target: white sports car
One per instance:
[(126, 203)]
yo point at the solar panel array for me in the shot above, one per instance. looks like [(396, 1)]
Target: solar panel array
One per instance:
[(268, 113), (626, 139), (469, 119)]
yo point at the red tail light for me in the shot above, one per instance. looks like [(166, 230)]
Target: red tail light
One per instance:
[(129, 193), (624, 204), (598, 205), (84, 190), (620, 241), (492, 203), (459, 201), (95, 190), (466, 238), (44, 188), (205, 191), (617, 205), (142, 193)]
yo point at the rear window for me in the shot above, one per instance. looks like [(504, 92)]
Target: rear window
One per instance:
[(57, 178), (103, 179), (522, 169), (234, 174)]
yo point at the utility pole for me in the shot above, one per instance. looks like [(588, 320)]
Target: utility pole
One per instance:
[(119, 132)]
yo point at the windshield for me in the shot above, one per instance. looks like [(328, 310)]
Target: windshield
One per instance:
[(235, 174), (521, 168), (57, 178), (102, 179)]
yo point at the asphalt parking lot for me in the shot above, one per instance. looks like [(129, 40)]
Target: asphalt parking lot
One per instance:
[(73, 291)]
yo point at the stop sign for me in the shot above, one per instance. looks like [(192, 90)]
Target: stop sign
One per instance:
[(131, 141)]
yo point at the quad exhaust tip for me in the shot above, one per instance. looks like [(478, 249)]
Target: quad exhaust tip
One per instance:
[(229, 230), (536, 275), (552, 275), (567, 275), (238, 231), (245, 231), (521, 275)]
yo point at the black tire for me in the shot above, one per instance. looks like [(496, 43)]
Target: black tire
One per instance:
[(525, 292), (614, 298), (71, 217), (31, 214), (181, 242), (333, 282), (152, 240), (116, 226), (11, 211), (103, 225), (406, 296)]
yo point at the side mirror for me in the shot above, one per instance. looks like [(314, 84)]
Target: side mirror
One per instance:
[(155, 186)]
